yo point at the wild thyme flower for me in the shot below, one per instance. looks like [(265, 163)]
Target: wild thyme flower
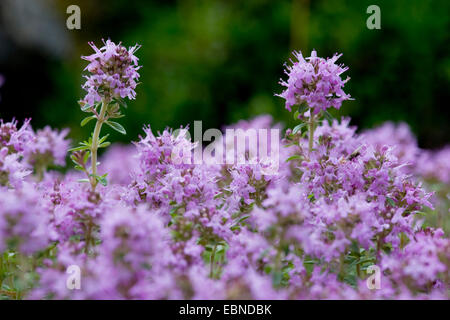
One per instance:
[(17, 140), (12, 171), (23, 222), (113, 75), (113, 72), (47, 147), (314, 81), (400, 137), (434, 165)]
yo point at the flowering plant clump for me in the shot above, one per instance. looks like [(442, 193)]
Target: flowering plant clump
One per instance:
[(347, 215)]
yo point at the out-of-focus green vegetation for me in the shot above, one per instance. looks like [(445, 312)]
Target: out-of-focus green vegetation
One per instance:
[(220, 61)]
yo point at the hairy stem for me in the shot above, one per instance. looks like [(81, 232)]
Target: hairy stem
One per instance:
[(379, 244), (1, 270), (88, 237), (40, 170), (341, 273), (94, 146), (213, 257)]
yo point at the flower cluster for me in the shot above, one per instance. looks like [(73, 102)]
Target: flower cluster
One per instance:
[(119, 162), (22, 151), (314, 81), (434, 166), (113, 72), (172, 229), (23, 222)]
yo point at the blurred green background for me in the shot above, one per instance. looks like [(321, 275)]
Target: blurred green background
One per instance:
[(220, 61)]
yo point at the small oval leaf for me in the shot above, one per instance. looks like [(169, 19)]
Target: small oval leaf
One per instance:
[(86, 120), (116, 126), (78, 148), (298, 127)]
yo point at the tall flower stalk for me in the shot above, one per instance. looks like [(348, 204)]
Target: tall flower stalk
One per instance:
[(113, 77), (314, 84), (95, 141)]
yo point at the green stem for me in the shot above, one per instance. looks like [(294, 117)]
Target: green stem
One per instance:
[(1, 269), (88, 237), (95, 139), (213, 257), (311, 130), (341, 274), (380, 242), (40, 169)]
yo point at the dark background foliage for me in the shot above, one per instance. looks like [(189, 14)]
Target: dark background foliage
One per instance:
[(220, 61)]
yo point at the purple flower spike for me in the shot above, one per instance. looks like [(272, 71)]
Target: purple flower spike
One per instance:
[(113, 72), (314, 81)]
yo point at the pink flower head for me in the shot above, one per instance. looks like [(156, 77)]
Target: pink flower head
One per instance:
[(314, 81), (113, 72)]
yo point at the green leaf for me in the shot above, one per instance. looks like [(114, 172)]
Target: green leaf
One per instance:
[(296, 115), (242, 219), (328, 116), (73, 158), (235, 227), (86, 107), (116, 126), (102, 139), (290, 145), (78, 148), (101, 179), (298, 127), (86, 120), (370, 259), (390, 201), (295, 156), (83, 180), (277, 276), (117, 116), (104, 144), (121, 102), (303, 108), (86, 156)]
